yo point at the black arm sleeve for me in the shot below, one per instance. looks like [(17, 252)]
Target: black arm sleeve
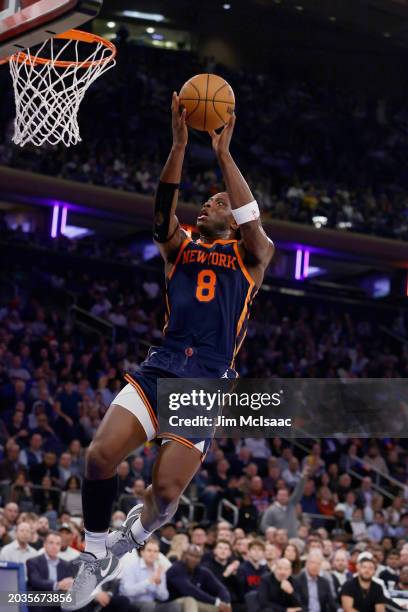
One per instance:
[(162, 211)]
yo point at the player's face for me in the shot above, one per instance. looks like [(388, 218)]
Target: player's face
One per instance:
[(215, 216)]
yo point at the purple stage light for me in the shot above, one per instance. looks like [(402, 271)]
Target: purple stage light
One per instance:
[(54, 224), (298, 266), (64, 215), (306, 264)]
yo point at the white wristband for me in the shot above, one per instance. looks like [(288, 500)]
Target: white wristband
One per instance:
[(249, 212)]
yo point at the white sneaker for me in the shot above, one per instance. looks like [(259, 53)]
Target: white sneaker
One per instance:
[(92, 574), (121, 541)]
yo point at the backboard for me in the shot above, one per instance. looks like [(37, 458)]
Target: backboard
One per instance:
[(26, 23)]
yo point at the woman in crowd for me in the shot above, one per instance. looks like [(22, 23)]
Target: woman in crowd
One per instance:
[(71, 498), (291, 552)]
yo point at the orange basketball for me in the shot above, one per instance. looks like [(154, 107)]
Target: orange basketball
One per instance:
[(209, 101)]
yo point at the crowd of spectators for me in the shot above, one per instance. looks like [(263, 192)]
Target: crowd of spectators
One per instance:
[(305, 512), (312, 152), (197, 567)]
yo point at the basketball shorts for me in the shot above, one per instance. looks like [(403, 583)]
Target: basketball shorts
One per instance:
[(139, 396)]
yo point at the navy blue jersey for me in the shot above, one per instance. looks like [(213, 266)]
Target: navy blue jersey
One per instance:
[(209, 293)]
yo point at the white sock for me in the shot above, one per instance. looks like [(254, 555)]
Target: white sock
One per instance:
[(95, 543), (139, 532)]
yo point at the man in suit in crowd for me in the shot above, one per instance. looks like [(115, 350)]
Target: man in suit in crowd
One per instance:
[(312, 589), (49, 573)]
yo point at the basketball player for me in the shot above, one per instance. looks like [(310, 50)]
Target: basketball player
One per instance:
[(210, 285)]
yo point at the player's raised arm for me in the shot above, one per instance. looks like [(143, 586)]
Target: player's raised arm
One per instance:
[(167, 232), (244, 207)]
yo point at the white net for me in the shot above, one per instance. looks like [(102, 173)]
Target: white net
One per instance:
[(49, 89)]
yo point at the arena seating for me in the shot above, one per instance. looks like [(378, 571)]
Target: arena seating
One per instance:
[(312, 152)]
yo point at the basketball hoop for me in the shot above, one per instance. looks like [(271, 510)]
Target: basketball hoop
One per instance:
[(49, 89)]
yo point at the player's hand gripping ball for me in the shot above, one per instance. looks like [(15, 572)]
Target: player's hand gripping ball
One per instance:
[(209, 101)]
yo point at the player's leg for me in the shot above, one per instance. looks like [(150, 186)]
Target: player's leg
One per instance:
[(119, 433), (172, 473), (126, 426)]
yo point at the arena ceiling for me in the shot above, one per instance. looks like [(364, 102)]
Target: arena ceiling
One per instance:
[(384, 19)]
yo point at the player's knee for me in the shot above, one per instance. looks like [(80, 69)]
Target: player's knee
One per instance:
[(98, 461)]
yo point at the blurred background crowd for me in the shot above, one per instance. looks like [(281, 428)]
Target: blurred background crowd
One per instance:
[(313, 152)]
